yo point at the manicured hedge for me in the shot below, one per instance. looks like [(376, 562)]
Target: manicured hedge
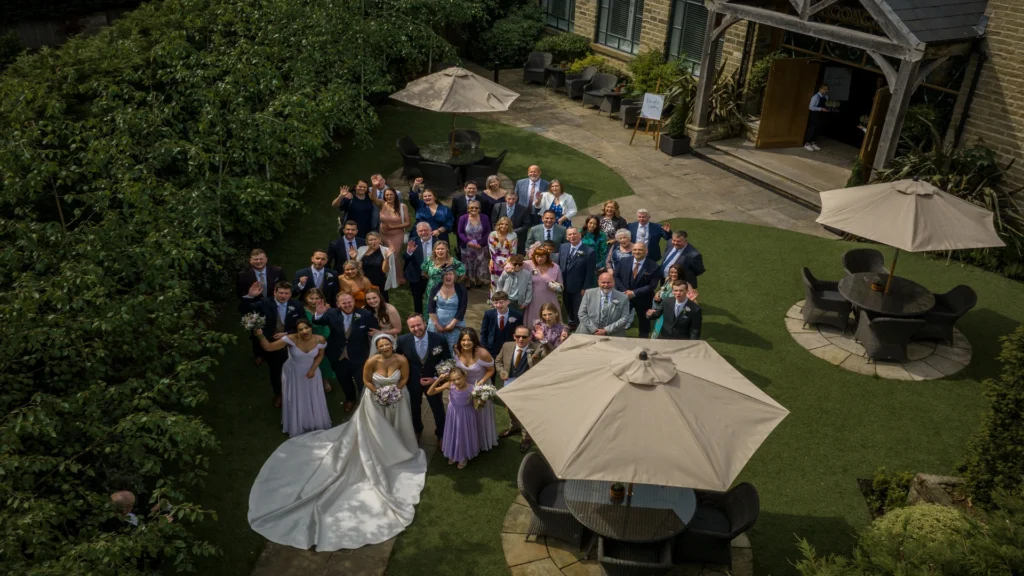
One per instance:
[(135, 167)]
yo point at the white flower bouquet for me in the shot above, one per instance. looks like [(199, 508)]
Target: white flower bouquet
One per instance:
[(555, 287), (444, 367), (388, 395), (252, 321), (482, 394)]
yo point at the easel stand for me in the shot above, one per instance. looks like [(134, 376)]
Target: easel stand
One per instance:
[(656, 122)]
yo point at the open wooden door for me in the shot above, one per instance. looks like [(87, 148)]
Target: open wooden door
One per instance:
[(791, 83), (873, 133)]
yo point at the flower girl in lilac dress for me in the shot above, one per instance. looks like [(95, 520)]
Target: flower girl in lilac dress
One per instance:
[(461, 439)]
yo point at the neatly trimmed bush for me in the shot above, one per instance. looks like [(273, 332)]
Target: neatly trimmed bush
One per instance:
[(650, 73), (564, 47), (135, 166), (592, 60), (888, 491)]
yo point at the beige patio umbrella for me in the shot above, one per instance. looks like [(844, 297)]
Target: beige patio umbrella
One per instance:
[(664, 412), (458, 91), (909, 215)]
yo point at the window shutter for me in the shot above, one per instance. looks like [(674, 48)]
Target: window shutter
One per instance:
[(618, 18), (694, 27)]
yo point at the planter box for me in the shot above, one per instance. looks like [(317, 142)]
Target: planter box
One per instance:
[(674, 146)]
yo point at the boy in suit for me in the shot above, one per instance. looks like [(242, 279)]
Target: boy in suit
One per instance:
[(281, 314), (683, 319), (424, 351), (499, 323)]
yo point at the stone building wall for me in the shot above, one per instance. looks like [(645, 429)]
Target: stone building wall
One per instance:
[(654, 30), (996, 115)]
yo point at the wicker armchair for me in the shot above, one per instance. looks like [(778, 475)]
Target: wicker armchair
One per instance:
[(483, 169), (535, 67), (544, 493), (441, 177), (720, 518), (864, 260), (628, 559), (575, 83), (886, 338), (949, 308), (592, 92), (471, 137), (824, 303), (411, 159)]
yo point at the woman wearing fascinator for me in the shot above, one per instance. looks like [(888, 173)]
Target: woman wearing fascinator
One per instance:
[(352, 485)]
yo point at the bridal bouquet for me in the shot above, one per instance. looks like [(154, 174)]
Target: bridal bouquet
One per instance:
[(388, 395), (252, 321), (444, 367), (555, 287), (482, 393)]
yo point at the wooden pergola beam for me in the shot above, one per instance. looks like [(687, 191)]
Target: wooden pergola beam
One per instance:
[(812, 10), (927, 69), (901, 91), (846, 36), (887, 70)]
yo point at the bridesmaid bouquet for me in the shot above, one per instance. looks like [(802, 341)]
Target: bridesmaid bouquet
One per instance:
[(388, 395), (555, 287), (252, 321), (444, 367), (482, 394)]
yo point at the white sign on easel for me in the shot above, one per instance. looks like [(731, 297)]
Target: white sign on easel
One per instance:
[(652, 106)]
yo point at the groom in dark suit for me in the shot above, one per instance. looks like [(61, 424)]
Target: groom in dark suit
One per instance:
[(281, 315), (683, 318), (424, 351), (348, 346), (637, 278)]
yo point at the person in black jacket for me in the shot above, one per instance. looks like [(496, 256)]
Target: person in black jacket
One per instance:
[(424, 351), (281, 314), (267, 277), (341, 250), (348, 345)]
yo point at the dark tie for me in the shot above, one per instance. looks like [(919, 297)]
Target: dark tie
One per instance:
[(547, 234), (501, 322)]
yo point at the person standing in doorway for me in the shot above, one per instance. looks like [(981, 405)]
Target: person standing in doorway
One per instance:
[(817, 108)]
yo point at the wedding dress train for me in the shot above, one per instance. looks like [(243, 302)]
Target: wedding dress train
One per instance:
[(352, 485)]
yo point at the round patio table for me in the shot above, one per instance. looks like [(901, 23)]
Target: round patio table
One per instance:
[(905, 299), (556, 76), (651, 514), (612, 101), (442, 152)]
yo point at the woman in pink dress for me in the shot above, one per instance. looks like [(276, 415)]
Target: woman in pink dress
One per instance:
[(542, 273), (394, 219)]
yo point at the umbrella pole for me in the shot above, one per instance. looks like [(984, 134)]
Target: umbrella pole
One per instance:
[(892, 270)]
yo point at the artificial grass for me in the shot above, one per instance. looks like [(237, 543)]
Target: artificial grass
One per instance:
[(239, 409)]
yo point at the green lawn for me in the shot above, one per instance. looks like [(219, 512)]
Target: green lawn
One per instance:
[(842, 426)]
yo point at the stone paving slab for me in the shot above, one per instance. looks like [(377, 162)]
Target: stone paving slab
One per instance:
[(925, 360)]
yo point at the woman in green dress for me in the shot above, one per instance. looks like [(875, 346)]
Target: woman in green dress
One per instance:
[(432, 267), (595, 238), (313, 297)]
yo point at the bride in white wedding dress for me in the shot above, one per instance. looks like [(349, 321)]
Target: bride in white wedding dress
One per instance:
[(352, 485)]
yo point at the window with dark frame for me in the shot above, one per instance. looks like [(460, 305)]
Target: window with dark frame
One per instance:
[(686, 33), (559, 14), (618, 24)]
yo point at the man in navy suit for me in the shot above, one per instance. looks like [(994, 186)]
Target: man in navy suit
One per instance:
[(420, 248), (498, 324), (684, 254), (637, 278), (281, 314), (529, 188), (424, 351), (649, 233), (267, 277), (319, 276), (517, 213), (348, 345), (578, 263), (341, 250)]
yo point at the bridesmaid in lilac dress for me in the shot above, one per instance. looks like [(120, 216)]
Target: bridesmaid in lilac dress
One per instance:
[(461, 440), (542, 272), (303, 405), (478, 365)]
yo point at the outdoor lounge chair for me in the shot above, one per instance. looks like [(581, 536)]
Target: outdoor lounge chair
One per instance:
[(411, 159), (543, 491), (886, 338), (629, 559), (864, 260), (824, 303), (441, 177), (720, 518), (481, 170), (535, 67), (574, 83), (949, 308), (592, 92)]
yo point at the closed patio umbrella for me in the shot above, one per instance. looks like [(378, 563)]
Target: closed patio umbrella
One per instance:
[(458, 91), (909, 215), (664, 412)]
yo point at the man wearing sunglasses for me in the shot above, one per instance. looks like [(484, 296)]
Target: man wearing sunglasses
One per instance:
[(515, 359)]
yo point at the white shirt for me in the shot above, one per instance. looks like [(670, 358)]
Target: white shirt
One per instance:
[(679, 305), (641, 233), (503, 319), (261, 277), (547, 233), (509, 210), (638, 264), (282, 309), (350, 244)]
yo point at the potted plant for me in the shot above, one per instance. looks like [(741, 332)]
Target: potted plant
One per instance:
[(617, 492), (674, 140)]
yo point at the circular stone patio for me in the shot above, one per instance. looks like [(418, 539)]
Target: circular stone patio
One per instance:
[(540, 556), (925, 360)]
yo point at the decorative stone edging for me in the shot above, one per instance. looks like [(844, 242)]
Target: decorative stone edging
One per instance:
[(925, 360), (540, 556)]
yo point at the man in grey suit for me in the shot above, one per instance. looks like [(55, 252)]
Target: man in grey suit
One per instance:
[(683, 319), (604, 310), (529, 188), (546, 230)]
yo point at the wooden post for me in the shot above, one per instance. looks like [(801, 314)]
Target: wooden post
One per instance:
[(902, 90), (707, 74)]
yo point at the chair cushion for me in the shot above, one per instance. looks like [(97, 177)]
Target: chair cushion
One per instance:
[(594, 93), (553, 496), (832, 295), (710, 519)]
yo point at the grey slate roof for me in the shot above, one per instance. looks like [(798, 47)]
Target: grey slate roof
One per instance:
[(941, 20)]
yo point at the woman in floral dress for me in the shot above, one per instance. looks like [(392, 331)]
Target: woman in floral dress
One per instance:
[(502, 244), (473, 230), (549, 328), (433, 266)]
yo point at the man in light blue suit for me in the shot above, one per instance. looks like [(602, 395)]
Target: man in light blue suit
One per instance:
[(528, 190)]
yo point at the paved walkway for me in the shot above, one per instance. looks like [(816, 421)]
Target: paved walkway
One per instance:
[(680, 187)]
